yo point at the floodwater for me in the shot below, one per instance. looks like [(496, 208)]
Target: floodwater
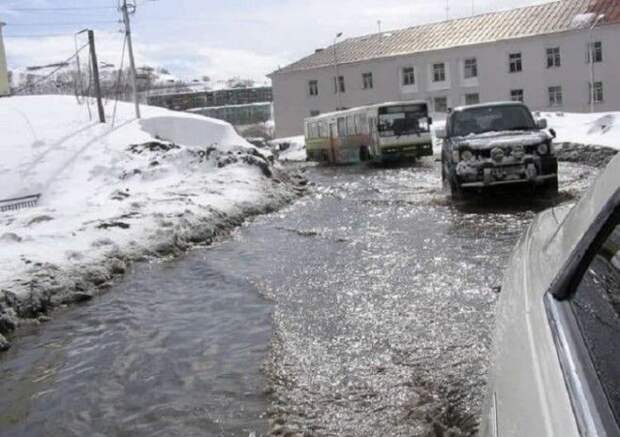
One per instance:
[(365, 308)]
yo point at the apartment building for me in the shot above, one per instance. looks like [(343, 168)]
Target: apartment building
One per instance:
[(559, 56)]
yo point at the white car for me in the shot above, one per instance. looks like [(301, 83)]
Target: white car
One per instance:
[(557, 340)]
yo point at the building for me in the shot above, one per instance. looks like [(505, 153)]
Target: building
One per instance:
[(538, 54), (4, 75), (238, 106), (239, 115), (184, 100)]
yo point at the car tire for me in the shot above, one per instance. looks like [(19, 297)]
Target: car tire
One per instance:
[(551, 188), (456, 191), (364, 154)]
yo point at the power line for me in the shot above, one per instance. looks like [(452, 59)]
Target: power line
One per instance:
[(64, 23), (77, 8)]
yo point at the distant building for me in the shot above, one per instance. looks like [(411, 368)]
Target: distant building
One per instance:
[(239, 115), (4, 75), (238, 106), (538, 54)]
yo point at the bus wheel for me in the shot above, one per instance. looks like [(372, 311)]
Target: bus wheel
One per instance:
[(364, 154)]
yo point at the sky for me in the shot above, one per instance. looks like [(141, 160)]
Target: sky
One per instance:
[(216, 38)]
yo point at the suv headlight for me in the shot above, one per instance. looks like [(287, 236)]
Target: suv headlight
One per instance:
[(456, 157), (467, 155), (543, 149)]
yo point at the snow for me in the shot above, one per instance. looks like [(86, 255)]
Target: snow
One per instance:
[(296, 150), (101, 196), (582, 20), (597, 129)]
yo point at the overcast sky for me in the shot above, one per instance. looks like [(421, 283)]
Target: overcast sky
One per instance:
[(218, 38)]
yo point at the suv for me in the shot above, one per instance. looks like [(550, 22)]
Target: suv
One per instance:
[(496, 144)]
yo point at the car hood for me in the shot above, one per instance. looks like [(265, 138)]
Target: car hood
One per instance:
[(490, 140)]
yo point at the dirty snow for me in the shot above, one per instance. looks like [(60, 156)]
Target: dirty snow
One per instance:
[(291, 148), (127, 190), (597, 129)]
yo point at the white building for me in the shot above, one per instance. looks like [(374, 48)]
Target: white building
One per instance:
[(4, 75), (538, 54)]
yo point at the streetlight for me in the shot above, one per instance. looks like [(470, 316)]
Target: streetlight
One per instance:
[(591, 55), (337, 78)]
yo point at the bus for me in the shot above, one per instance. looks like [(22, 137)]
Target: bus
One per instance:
[(382, 132)]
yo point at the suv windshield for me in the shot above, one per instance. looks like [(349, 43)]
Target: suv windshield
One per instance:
[(403, 120), (491, 119)]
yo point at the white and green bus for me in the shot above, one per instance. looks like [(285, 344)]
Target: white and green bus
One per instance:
[(383, 132)]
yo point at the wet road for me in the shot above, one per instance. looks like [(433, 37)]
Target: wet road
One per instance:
[(365, 308)]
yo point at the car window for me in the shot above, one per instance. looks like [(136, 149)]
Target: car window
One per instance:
[(491, 119), (596, 306)]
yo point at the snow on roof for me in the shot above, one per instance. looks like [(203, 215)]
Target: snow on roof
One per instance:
[(558, 16)]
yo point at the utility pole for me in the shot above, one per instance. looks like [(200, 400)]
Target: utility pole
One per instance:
[(132, 62), (95, 65)]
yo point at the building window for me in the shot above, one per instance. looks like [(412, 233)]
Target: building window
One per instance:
[(339, 85), (517, 96), (367, 81), (471, 68), (314, 113), (313, 87), (555, 96), (441, 104), (553, 57), (439, 72), (408, 76), (595, 50), (516, 62), (472, 99), (597, 93)]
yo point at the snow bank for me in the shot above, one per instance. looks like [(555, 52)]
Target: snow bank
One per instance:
[(598, 129), (114, 194), (291, 148)]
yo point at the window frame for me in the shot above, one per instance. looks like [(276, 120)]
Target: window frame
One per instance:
[(339, 85), (522, 91), (598, 93), (554, 57), (408, 76), (516, 62), (552, 93), (368, 81), (597, 48), (435, 104), (590, 404), (471, 95), (313, 88), (439, 70), (472, 68)]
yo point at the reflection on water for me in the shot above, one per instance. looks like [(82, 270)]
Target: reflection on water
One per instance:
[(378, 323)]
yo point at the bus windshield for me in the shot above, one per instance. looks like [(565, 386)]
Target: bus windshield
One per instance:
[(493, 118), (403, 120)]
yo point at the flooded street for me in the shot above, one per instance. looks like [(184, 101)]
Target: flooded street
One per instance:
[(364, 309)]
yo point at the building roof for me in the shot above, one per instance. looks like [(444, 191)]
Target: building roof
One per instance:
[(558, 16)]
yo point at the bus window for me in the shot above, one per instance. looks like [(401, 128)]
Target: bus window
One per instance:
[(350, 125), (342, 128), (403, 120)]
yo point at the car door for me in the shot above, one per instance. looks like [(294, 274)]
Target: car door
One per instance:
[(585, 320)]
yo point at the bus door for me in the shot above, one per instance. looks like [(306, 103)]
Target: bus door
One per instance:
[(332, 141)]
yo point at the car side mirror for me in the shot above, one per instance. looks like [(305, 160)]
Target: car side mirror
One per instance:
[(541, 123), (430, 121), (440, 132), (553, 133)]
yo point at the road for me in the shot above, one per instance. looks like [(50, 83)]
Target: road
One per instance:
[(365, 308)]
